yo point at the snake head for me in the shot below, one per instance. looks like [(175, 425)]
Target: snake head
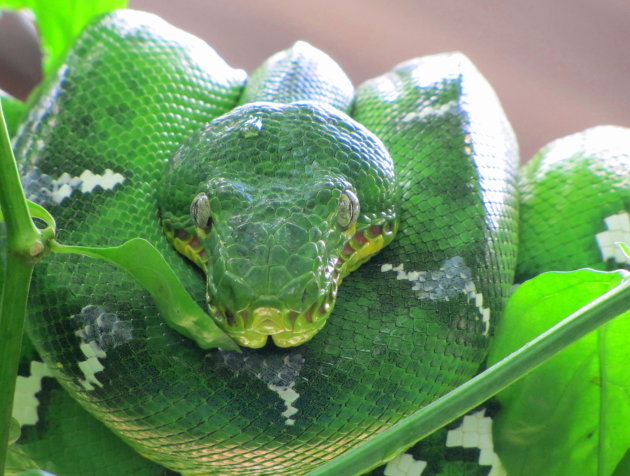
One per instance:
[(277, 203)]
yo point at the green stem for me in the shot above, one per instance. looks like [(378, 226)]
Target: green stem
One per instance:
[(387, 444), (24, 247), (603, 439), (23, 237), (12, 312)]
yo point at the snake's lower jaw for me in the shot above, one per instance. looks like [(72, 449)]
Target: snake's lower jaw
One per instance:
[(252, 326), (287, 328), (254, 339)]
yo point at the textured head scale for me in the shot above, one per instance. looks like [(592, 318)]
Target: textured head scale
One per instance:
[(278, 202)]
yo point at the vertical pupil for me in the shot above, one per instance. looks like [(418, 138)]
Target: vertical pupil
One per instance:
[(347, 209), (200, 211), (196, 211)]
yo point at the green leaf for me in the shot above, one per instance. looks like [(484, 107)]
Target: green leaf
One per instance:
[(623, 468), (18, 460), (37, 211), (572, 414), (146, 265), (13, 110), (14, 431), (60, 21)]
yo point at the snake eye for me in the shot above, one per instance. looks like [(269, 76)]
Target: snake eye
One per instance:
[(200, 211), (348, 210)]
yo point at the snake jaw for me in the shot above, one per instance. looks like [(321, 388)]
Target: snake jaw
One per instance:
[(364, 244), (252, 327), (188, 244), (287, 328)]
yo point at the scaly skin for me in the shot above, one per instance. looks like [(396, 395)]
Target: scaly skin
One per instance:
[(409, 325), (297, 196), (569, 191)]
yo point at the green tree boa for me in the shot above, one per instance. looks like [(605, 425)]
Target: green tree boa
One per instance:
[(407, 326)]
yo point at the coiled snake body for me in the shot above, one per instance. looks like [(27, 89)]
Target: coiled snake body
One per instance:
[(276, 213)]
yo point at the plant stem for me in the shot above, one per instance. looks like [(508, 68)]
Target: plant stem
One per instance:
[(24, 247), (12, 312), (387, 444), (23, 237)]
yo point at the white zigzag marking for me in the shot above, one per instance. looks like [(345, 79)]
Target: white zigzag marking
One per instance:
[(618, 232), (25, 400), (476, 432), (452, 278), (63, 187), (405, 465), (92, 365), (288, 396)]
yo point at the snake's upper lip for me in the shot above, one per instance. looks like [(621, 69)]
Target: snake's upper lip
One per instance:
[(267, 320), (252, 327)]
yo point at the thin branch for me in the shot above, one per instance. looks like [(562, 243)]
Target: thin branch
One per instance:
[(24, 246)]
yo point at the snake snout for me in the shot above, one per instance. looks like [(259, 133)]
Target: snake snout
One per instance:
[(290, 311), (267, 320)]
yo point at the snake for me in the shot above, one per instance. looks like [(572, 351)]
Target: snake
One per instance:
[(358, 243)]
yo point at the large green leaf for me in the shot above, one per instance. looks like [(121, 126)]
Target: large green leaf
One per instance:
[(60, 21), (572, 414)]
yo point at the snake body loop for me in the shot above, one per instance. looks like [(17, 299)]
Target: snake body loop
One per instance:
[(408, 325)]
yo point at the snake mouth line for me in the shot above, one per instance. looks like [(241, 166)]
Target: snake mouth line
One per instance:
[(362, 245), (253, 325), (187, 244), (286, 327)]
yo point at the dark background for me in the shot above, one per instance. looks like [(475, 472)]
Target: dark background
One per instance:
[(559, 66)]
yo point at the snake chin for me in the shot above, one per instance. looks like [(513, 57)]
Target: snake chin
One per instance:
[(286, 327)]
